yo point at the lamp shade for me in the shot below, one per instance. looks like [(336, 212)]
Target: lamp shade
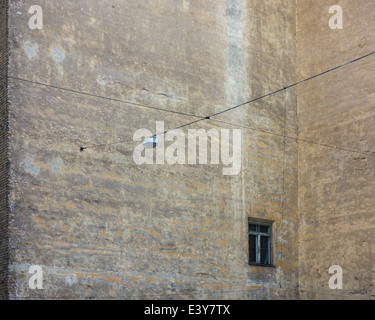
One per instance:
[(150, 143)]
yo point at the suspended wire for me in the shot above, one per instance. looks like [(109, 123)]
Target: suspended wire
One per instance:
[(104, 97), (263, 97), (114, 100), (292, 85), (371, 153), (201, 118)]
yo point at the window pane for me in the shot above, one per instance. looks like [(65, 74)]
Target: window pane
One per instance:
[(264, 229), (252, 227), (252, 248), (264, 250)]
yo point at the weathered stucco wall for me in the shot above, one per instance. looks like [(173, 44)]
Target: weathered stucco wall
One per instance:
[(336, 187), (102, 226)]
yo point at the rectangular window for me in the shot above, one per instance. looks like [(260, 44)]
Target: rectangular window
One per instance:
[(260, 245)]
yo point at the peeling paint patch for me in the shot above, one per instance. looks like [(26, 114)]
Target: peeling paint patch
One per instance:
[(185, 5), (101, 81), (237, 89), (109, 75), (58, 55), (71, 279), (29, 165), (31, 49), (57, 164)]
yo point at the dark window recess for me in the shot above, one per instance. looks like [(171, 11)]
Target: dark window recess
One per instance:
[(260, 235), (252, 246)]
